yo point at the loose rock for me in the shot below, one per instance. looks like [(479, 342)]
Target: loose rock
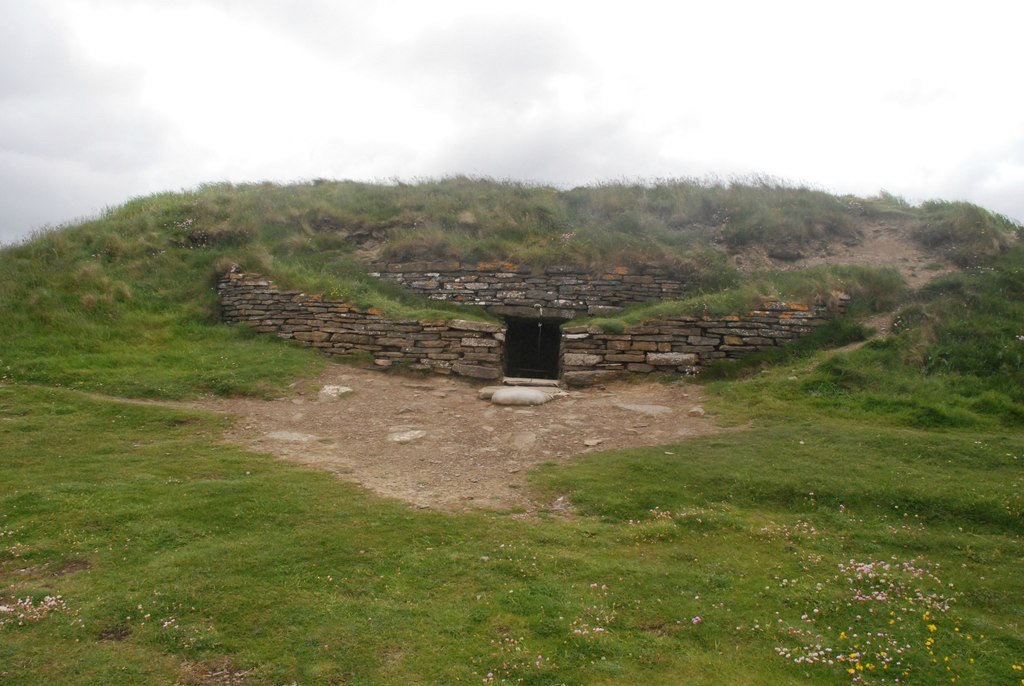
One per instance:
[(652, 410), (518, 395), (290, 437), (333, 392), (403, 437), (523, 440)]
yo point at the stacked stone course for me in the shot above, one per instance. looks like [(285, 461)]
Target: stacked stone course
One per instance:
[(684, 344), (511, 290), (476, 349), (465, 348)]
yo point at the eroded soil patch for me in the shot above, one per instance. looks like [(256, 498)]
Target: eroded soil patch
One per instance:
[(433, 443)]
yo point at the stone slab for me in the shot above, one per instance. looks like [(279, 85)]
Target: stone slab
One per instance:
[(650, 410), (671, 359), (475, 371), (519, 395)]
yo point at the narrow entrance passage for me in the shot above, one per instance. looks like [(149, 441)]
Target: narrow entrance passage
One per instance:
[(532, 348)]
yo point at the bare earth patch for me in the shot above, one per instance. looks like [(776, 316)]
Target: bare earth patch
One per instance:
[(433, 443), (883, 244)]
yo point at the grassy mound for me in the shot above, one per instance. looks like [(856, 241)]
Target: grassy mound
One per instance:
[(860, 524), (143, 272)]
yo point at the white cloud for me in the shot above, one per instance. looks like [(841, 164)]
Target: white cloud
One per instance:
[(101, 100)]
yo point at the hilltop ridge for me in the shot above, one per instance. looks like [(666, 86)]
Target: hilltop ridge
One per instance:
[(144, 271)]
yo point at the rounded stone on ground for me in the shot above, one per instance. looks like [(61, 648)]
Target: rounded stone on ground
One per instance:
[(519, 395)]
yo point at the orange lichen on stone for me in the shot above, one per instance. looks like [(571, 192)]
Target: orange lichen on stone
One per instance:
[(496, 266), (621, 271)]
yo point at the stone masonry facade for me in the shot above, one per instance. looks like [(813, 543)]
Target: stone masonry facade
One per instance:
[(465, 348), (510, 290), (474, 349), (684, 344)]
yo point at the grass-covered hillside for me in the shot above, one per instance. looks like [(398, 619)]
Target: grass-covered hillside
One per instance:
[(861, 520), (142, 273)]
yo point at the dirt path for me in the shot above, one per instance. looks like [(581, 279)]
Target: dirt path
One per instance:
[(883, 244), (433, 443)]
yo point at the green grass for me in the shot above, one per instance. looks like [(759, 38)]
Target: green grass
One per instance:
[(143, 273), (956, 361), (857, 502), (971, 325), (871, 290), (173, 554), (126, 304), (818, 495), (79, 328), (314, 229), (834, 334), (968, 235), (669, 223)]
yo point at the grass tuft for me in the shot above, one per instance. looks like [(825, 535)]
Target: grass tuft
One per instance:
[(967, 234)]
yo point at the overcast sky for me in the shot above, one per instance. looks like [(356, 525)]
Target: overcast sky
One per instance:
[(104, 100)]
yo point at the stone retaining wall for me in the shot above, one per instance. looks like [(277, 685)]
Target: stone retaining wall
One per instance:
[(684, 344), (465, 348), (476, 349), (511, 290)]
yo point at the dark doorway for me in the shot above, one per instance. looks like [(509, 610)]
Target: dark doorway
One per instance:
[(532, 347)]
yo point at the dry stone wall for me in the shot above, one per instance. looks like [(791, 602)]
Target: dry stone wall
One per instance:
[(465, 348), (684, 344), (512, 290), (476, 349)]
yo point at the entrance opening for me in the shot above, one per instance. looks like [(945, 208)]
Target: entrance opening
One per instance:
[(532, 348)]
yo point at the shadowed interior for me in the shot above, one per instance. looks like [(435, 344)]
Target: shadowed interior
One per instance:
[(532, 348)]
